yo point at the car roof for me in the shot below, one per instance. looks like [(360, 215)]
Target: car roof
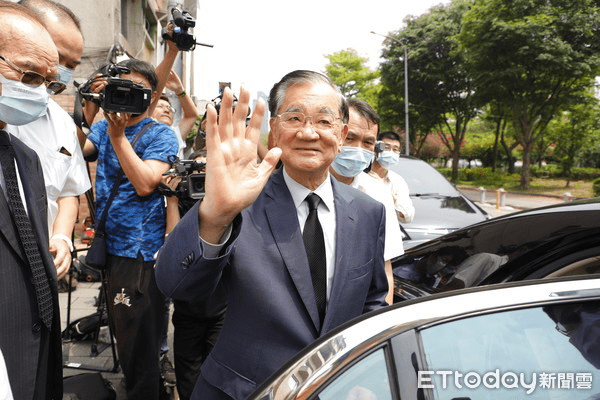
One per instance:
[(310, 367)]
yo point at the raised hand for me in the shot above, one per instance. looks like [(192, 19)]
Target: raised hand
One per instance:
[(234, 178)]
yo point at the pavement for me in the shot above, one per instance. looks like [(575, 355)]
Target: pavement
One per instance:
[(88, 356), (497, 203)]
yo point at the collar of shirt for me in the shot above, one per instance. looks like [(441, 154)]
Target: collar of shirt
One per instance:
[(326, 213), (299, 193)]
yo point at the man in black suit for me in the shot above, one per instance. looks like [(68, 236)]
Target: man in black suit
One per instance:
[(298, 252), (29, 313)]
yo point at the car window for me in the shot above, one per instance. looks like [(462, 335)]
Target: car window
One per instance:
[(368, 379), (422, 178), (550, 352)]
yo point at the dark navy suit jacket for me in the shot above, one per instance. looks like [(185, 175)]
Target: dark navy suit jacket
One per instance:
[(272, 312), (22, 336)]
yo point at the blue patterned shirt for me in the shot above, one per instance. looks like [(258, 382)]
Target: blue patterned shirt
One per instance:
[(134, 224)]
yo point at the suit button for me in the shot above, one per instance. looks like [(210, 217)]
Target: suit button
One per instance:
[(37, 327)]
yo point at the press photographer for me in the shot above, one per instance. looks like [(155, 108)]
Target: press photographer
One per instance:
[(118, 94), (127, 176)]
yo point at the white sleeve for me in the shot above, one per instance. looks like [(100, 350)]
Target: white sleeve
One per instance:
[(402, 201)]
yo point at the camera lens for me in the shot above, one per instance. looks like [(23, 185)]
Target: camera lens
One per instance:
[(121, 97)]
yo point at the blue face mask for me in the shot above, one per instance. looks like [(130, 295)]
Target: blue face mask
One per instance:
[(66, 74), (351, 161), (21, 104), (388, 158)]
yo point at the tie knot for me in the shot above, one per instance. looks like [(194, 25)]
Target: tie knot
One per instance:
[(4, 138), (313, 200)]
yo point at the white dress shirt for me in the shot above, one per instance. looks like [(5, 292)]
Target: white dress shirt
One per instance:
[(393, 236), (54, 138)]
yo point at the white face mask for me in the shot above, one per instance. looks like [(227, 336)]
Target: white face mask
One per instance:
[(66, 74), (388, 158), (21, 104), (351, 161)]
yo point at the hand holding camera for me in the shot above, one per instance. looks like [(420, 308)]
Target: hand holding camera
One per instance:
[(114, 94)]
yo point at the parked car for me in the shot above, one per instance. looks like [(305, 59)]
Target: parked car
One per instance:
[(556, 240), (535, 340), (440, 208)]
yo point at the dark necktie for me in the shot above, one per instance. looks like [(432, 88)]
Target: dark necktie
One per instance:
[(314, 243), (40, 279)]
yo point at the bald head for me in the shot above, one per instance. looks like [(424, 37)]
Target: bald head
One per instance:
[(25, 44), (64, 27)]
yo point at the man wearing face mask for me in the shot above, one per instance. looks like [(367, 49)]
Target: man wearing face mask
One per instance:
[(53, 136), (380, 169), (29, 313), (348, 166)]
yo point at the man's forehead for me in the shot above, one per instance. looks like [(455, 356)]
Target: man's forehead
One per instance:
[(316, 96), (27, 42)]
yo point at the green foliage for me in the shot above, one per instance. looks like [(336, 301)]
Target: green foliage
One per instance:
[(348, 71), (533, 56), (596, 187), (440, 91)]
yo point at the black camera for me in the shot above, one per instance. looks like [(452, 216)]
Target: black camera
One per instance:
[(192, 182), (119, 95), (182, 21)]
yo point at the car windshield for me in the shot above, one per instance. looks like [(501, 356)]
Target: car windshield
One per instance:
[(422, 179)]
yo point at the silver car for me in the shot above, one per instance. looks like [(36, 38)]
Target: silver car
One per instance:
[(535, 340)]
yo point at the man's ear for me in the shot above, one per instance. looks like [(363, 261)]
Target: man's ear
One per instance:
[(343, 137), (272, 139)]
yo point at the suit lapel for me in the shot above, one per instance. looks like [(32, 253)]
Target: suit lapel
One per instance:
[(7, 227), (30, 172), (280, 207)]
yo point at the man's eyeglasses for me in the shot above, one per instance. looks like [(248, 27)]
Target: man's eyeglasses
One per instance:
[(34, 79), (166, 107), (322, 122)]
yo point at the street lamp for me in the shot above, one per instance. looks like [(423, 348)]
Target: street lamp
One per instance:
[(406, 147)]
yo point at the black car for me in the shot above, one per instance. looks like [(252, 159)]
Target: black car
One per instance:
[(528, 340), (440, 208), (550, 241)]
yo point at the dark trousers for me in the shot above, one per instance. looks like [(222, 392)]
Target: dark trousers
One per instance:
[(137, 311), (195, 335)]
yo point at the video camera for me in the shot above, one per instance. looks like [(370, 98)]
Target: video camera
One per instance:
[(182, 21), (119, 95), (192, 183)]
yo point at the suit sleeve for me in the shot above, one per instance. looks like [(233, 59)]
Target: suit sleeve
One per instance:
[(379, 285), (182, 271)]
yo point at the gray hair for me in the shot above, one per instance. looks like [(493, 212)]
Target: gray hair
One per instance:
[(277, 94)]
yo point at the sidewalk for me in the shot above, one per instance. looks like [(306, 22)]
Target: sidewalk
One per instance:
[(79, 354), (509, 202)]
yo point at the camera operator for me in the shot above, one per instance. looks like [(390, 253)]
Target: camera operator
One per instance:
[(135, 223), (165, 113)]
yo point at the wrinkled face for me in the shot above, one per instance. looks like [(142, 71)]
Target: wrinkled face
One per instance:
[(163, 112), (361, 132), (306, 151), (29, 46)]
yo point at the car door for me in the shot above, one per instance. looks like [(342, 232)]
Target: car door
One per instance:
[(543, 352)]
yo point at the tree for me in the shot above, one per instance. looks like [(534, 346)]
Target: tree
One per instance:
[(348, 71), (532, 56), (441, 93), (573, 131)]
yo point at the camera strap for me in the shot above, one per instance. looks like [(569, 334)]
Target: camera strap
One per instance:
[(118, 178)]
